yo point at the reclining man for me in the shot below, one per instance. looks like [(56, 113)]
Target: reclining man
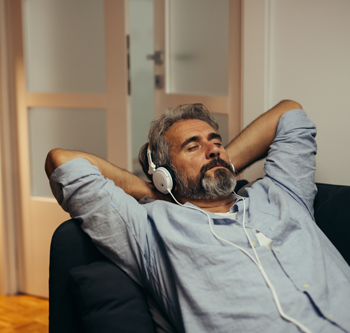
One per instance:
[(216, 262)]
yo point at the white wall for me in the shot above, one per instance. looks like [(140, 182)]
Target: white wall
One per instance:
[(302, 52)]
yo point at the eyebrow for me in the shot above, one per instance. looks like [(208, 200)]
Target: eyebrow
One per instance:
[(211, 136)]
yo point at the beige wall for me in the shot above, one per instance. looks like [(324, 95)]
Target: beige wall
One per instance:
[(300, 50)]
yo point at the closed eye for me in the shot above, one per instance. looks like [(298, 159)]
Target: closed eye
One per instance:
[(215, 138)]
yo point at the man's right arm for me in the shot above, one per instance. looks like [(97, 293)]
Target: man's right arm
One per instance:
[(131, 184)]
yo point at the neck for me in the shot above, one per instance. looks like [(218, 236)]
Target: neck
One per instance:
[(217, 205)]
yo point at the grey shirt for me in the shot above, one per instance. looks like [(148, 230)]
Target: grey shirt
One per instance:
[(203, 284)]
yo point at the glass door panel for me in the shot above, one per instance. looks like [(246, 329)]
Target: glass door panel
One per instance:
[(197, 48), (64, 45), (74, 129)]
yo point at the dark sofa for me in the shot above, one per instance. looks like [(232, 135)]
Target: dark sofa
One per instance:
[(88, 293)]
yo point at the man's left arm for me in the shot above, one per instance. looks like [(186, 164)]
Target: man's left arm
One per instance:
[(253, 143), (288, 141)]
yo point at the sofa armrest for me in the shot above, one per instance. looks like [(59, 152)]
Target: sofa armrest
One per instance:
[(332, 215), (87, 292)]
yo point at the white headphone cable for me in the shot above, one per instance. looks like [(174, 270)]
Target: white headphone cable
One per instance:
[(256, 262), (267, 280)]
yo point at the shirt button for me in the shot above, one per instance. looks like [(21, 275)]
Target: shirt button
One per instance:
[(305, 286), (254, 244), (236, 226), (277, 249), (331, 317)]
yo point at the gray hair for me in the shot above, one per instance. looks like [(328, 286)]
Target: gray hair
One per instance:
[(159, 146)]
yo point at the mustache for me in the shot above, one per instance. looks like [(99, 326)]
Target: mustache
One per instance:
[(213, 163)]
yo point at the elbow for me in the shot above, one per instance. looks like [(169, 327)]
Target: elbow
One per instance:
[(289, 104), (52, 161)]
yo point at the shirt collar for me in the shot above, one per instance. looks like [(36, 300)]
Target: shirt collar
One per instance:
[(234, 208)]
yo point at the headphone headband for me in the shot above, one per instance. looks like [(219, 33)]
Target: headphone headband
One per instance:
[(151, 165)]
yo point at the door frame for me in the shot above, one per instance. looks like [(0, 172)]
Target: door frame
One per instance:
[(9, 172)]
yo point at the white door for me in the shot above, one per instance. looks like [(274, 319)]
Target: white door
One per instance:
[(70, 82), (200, 44)]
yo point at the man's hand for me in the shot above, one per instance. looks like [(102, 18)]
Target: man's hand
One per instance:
[(253, 143), (131, 184)]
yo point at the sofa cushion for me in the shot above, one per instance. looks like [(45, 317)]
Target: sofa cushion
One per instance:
[(70, 247), (108, 300)]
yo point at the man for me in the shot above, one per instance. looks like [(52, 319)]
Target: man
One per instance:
[(216, 262)]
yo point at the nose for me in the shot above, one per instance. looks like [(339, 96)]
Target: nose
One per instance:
[(213, 151)]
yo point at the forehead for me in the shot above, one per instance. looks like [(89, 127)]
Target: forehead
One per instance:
[(186, 128)]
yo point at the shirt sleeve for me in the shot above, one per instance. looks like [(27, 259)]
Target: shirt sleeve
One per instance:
[(115, 221), (291, 158)]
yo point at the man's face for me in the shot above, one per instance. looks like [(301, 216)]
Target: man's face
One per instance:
[(203, 168)]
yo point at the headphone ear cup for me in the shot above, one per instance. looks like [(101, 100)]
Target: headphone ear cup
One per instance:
[(163, 180)]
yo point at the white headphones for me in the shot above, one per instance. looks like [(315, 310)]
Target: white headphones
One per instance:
[(162, 179)]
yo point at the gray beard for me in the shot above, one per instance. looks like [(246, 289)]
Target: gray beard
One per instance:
[(206, 187)]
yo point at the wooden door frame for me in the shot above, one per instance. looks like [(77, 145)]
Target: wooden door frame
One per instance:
[(10, 204)]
